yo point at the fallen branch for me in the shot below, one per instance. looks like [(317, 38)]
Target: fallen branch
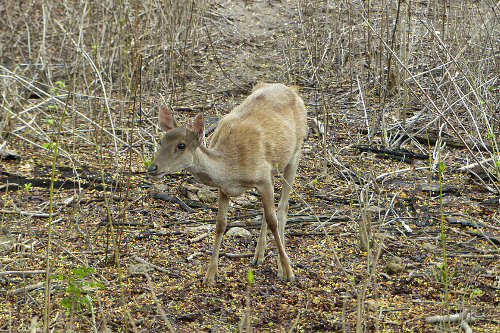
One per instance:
[(474, 256), (158, 268), (194, 255), (232, 255), (464, 318), (174, 199), (153, 294), (398, 171), (30, 288), (21, 272), (221, 254), (32, 214), (198, 238), (192, 108)]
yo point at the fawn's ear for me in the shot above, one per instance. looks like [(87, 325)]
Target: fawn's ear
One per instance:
[(166, 119), (199, 126)]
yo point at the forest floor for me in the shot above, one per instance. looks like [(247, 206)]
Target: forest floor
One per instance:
[(407, 216)]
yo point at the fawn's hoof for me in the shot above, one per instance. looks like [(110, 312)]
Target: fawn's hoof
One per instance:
[(287, 277), (257, 261), (209, 279), (208, 282)]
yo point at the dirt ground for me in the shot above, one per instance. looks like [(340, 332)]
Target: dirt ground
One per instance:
[(165, 241)]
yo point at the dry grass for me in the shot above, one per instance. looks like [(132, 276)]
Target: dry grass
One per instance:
[(369, 70)]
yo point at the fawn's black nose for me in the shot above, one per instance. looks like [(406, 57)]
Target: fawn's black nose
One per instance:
[(152, 168)]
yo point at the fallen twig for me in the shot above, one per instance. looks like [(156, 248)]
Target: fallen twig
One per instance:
[(158, 268), (464, 318), (33, 214), (158, 305), (221, 254), (174, 199), (199, 238), (232, 255), (30, 288), (21, 272), (194, 255)]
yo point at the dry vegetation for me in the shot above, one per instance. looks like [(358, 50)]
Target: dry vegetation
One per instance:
[(79, 86)]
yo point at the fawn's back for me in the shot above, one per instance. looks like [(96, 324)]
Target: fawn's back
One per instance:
[(265, 131)]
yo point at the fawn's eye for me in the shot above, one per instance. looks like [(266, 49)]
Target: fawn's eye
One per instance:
[(181, 146)]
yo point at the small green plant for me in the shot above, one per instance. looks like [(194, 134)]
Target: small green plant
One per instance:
[(48, 120), (48, 145), (51, 107), (250, 276), (441, 167), (442, 273), (27, 186), (60, 84), (475, 291), (77, 284), (315, 182), (147, 162)]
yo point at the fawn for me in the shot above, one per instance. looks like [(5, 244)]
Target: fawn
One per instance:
[(251, 144)]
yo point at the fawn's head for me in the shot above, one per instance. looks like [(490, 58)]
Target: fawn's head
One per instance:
[(178, 145)]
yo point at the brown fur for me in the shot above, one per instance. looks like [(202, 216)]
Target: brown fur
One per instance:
[(263, 134)]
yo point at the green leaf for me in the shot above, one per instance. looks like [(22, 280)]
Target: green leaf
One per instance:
[(60, 84), (441, 167), (250, 276), (48, 120), (27, 186), (66, 302)]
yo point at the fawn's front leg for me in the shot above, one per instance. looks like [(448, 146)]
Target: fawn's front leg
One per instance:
[(219, 232)]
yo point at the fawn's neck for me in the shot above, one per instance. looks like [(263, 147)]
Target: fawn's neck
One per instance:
[(207, 166), (210, 168)]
